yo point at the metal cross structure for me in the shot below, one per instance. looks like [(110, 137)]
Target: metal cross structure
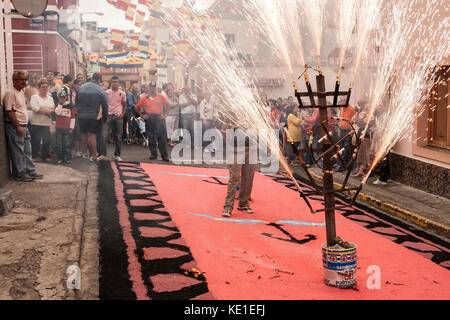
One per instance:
[(329, 150)]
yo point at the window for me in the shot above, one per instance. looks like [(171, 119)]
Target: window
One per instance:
[(438, 111)]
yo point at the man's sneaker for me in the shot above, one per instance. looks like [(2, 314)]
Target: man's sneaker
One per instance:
[(35, 175), (381, 183), (85, 156), (24, 178), (246, 209), (93, 159), (102, 158), (153, 157), (226, 213), (119, 159), (166, 160)]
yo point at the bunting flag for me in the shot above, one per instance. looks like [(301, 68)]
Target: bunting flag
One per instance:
[(181, 48), (139, 20), (130, 12), (134, 43), (185, 11), (214, 20), (117, 36), (153, 55), (155, 4), (156, 19), (143, 45), (93, 57), (146, 3), (123, 4)]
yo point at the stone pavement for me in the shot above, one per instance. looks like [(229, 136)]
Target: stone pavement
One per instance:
[(52, 227)]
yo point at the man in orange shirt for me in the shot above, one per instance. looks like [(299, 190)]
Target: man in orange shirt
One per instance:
[(153, 109), (344, 128)]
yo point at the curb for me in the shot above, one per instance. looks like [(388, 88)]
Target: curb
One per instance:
[(394, 210), (406, 215)]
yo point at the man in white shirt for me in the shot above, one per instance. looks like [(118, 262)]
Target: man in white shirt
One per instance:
[(188, 104), (17, 135)]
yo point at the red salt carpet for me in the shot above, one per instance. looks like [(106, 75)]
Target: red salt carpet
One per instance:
[(244, 259)]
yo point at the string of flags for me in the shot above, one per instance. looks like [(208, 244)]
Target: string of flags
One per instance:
[(142, 48), (122, 59), (138, 11)]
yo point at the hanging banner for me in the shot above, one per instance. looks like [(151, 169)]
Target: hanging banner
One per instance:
[(139, 20), (117, 36), (181, 48), (134, 43), (124, 60), (123, 4), (130, 13)]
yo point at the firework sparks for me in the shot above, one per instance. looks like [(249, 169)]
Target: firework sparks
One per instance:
[(313, 12), (370, 10), (348, 10), (422, 49), (234, 86), (400, 65), (278, 20)]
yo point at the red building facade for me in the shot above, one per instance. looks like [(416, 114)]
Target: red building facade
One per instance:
[(38, 45)]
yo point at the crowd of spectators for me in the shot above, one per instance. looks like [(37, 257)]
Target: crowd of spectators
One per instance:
[(303, 127), (65, 118)]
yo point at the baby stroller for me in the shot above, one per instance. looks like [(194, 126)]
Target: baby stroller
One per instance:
[(136, 132)]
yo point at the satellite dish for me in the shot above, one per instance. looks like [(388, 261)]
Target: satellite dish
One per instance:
[(30, 9)]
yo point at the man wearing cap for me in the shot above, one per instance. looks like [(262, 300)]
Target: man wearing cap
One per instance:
[(92, 109), (17, 134), (152, 109)]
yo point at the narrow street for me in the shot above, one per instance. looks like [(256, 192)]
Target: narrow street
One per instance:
[(225, 158)]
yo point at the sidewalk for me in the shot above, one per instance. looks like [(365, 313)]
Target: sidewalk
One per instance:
[(51, 228), (420, 208)]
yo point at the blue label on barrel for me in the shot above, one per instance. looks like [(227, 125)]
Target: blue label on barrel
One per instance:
[(339, 261)]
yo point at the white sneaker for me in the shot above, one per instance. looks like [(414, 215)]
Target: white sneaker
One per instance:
[(77, 155), (101, 158), (381, 183), (226, 213), (119, 159)]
